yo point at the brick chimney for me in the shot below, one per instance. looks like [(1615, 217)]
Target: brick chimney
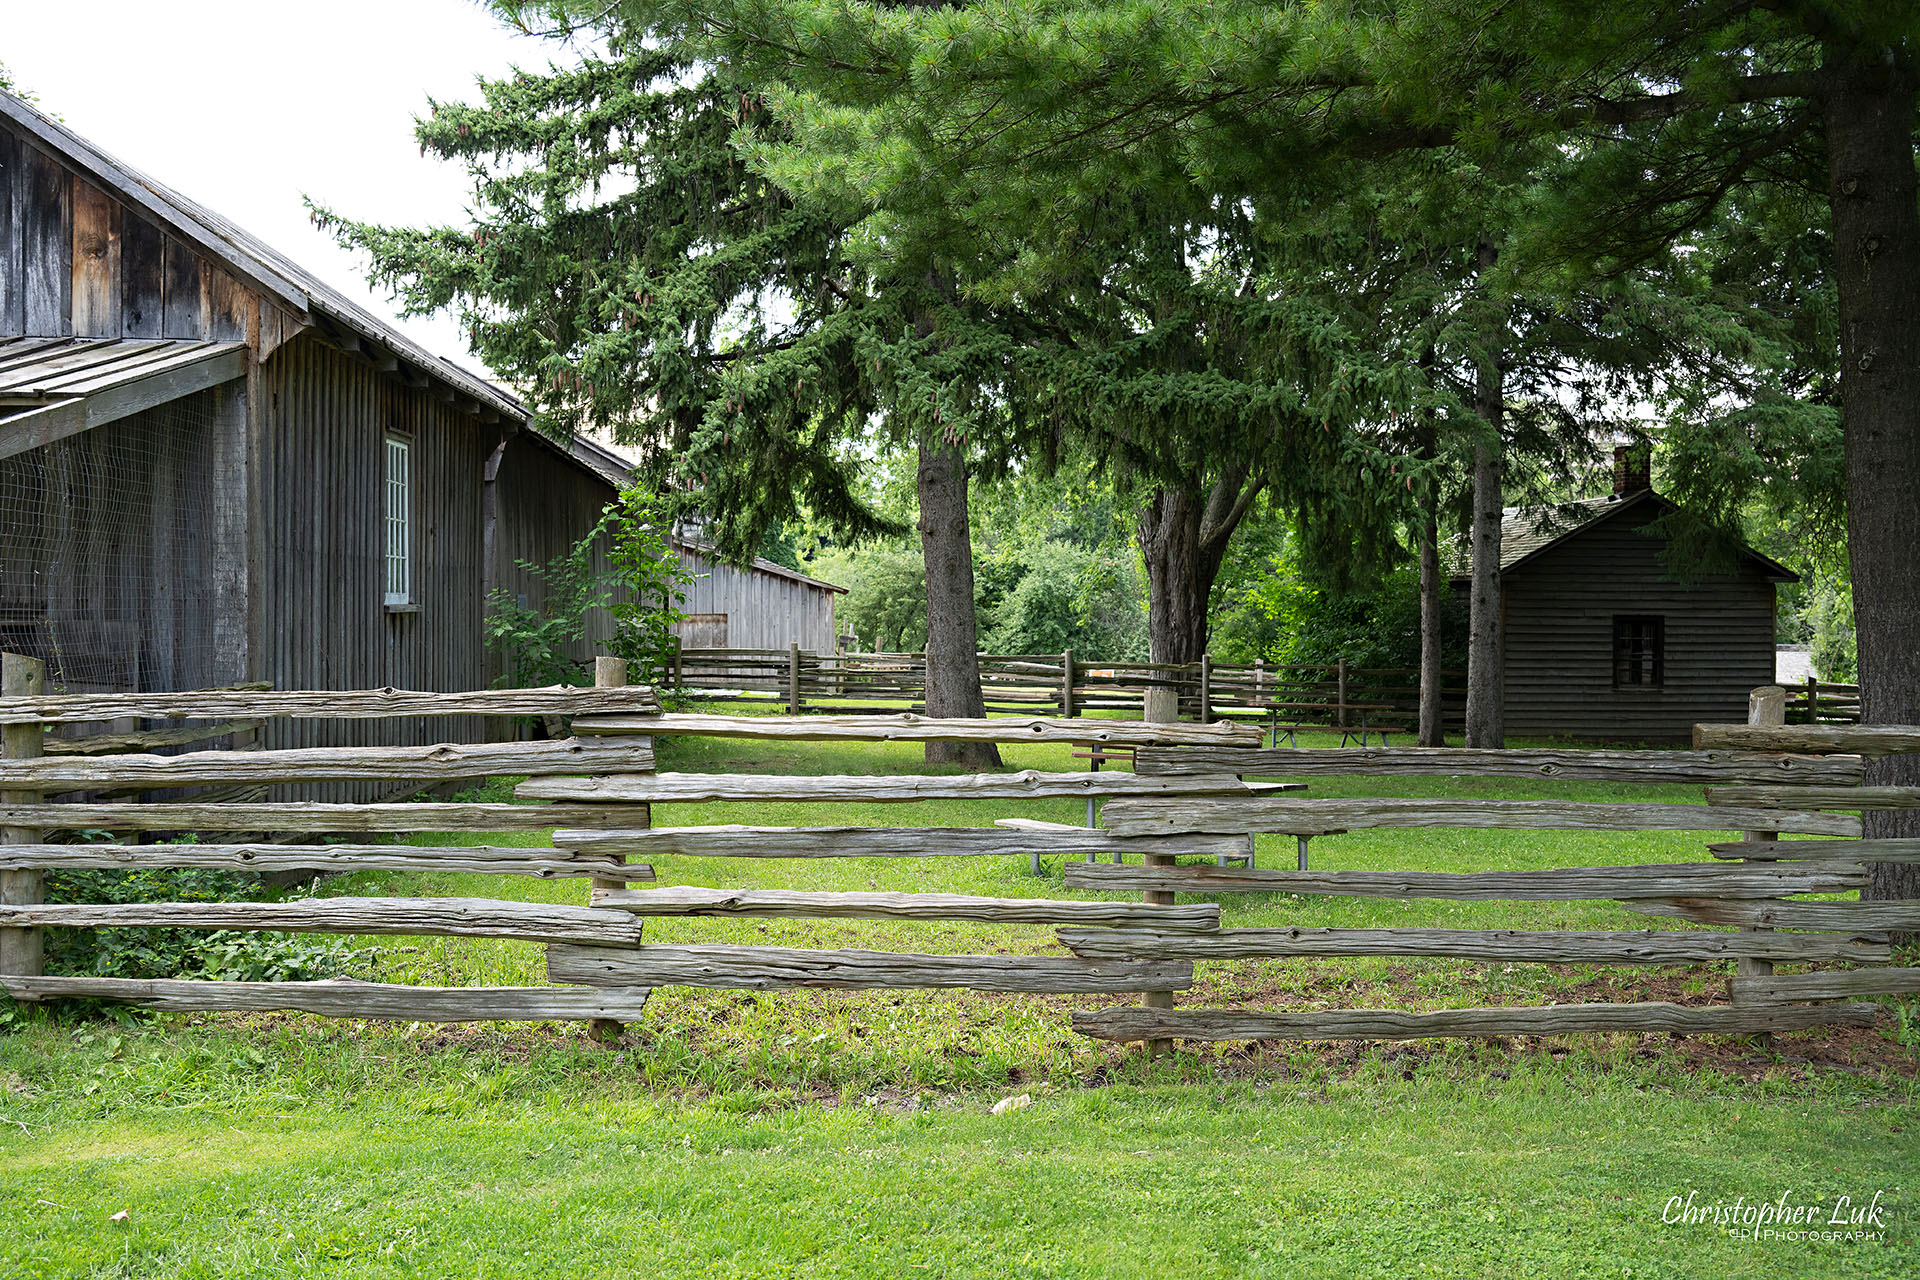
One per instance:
[(1632, 468)]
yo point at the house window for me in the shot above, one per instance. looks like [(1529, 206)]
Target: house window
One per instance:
[(399, 521), (1639, 651)]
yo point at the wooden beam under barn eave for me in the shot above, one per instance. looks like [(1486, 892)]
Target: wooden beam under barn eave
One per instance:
[(168, 381)]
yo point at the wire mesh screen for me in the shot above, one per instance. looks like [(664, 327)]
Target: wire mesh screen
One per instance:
[(106, 567)]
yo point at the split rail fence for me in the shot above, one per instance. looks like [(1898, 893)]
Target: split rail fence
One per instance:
[(1816, 701), (1329, 695), (1188, 800)]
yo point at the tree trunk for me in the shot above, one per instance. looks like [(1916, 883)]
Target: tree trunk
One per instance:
[(1876, 238), (1433, 724), (1178, 583), (1433, 729), (1485, 659), (953, 640), (1183, 539)]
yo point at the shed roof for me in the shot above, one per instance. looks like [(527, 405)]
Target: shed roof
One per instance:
[(1526, 533), (42, 370), (51, 388), (246, 255), (618, 472)]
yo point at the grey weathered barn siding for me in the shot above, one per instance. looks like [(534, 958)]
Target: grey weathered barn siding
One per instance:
[(549, 503), (1559, 611), (77, 262), (278, 573), (328, 415), (767, 606), (281, 575)]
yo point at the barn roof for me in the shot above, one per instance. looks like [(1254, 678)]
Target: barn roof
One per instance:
[(1526, 533), (246, 255)]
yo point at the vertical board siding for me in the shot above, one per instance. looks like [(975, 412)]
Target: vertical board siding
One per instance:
[(142, 279), (76, 261), (181, 314), (1559, 638), (47, 234), (545, 504), (764, 610), (13, 294), (314, 583), (326, 616), (96, 262)]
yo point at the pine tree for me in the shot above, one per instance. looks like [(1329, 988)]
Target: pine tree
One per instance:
[(1016, 112)]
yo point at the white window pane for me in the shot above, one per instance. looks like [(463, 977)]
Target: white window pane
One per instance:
[(399, 521)]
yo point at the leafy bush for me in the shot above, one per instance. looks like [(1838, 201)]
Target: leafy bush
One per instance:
[(886, 600), (1834, 648), (641, 589), (1374, 627), (182, 953), (1072, 598), (537, 643), (647, 587)]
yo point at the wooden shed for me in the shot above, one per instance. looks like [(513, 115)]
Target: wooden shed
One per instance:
[(761, 605), (1602, 642), (215, 468), (757, 605)]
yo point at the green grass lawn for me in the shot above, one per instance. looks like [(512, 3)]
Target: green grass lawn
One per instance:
[(850, 1134)]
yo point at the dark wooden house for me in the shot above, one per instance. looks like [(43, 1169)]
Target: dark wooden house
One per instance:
[(1603, 642), (214, 468)]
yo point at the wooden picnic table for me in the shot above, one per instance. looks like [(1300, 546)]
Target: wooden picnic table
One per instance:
[(1099, 753), (1347, 732)]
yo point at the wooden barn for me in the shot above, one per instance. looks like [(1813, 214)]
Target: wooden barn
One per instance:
[(1602, 643), (214, 468)]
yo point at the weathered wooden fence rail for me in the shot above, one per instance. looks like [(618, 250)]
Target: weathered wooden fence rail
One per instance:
[(1327, 695), (1182, 816)]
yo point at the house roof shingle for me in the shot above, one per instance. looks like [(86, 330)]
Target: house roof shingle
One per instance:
[(1526, 532)]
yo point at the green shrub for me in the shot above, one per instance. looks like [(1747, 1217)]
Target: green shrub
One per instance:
[(1834, 648), (1071, 597), (647, 587), (886, 600), (182, 953), (545, 644), (1378, 626)]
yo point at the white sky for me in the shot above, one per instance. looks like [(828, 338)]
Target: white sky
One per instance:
[(247, 105)]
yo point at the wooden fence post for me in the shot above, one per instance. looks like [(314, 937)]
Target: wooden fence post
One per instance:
[(611, 673), (21, 677), (1340, 713), (1066, 685), (1158, 999), (1813, 698), (1766, 706), (1161, 702), (1206, 688), (793, 678)]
